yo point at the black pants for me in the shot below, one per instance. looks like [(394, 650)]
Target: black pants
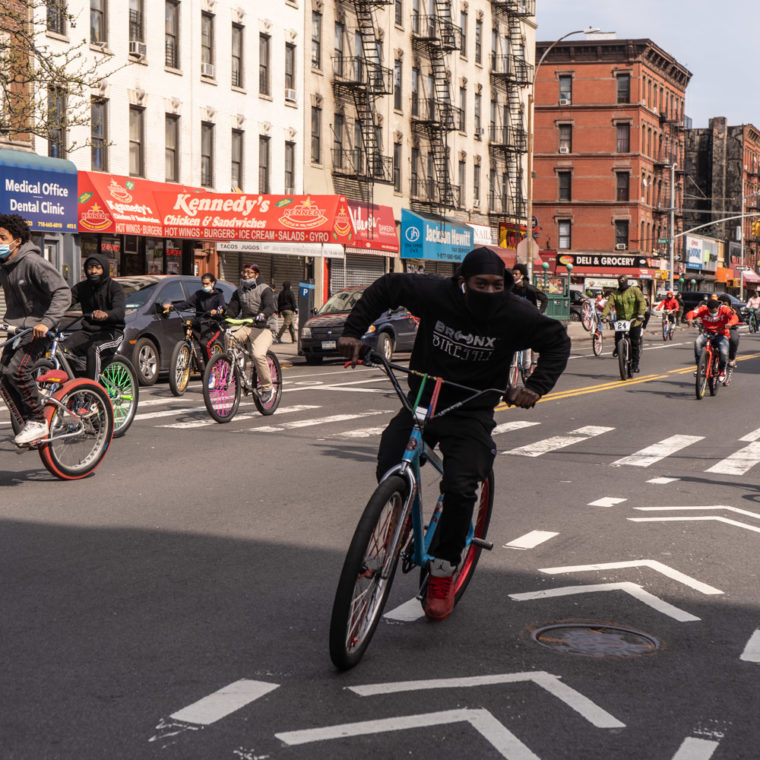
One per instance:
[(468, 453), (98, 348), (17, 381), (733, 343), (206, 331), (635, 335)]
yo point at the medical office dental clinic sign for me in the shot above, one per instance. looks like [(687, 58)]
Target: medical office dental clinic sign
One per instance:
[(266, 218)]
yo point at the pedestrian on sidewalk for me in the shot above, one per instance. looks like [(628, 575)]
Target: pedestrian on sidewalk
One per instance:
[(286, 306)]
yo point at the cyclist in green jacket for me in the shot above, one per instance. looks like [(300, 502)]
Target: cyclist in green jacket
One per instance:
[(629, 304)]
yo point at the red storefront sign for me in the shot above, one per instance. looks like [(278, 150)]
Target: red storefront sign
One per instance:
[(375, 227), (265, 218)]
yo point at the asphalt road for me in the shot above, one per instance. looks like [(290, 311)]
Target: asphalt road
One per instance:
[(176, 604)]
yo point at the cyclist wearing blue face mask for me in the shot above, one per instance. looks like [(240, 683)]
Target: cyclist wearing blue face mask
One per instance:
[(470, 326), (36, 296)]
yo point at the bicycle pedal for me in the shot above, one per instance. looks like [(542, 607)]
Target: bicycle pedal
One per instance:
[(482, 544)]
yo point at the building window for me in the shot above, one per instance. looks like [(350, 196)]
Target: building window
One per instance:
[(97, 22), (462, 177), (207, 154), (563, 228), (56, 16), (136, 141), (621, 233), (397, 90), (171, 34), (236, 161), (478, 41), (565, 180), (99, 135), (316, 135), (463, 34), (476, 185), (290, 167), (207, 40), (57, 134), (397, 167), (624, 88), (263, 164), (339, 125), (264, 83), (476, 115), (462, 108), (565, 89), (136, 33), (414, 176), (290, 70), (415, 92), (171, 147), (316, 40), (565, 138), (623, 138), (236, 55), (622, 180), (398, 12)]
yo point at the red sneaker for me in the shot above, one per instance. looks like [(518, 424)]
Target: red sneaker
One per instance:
[(439, 594)]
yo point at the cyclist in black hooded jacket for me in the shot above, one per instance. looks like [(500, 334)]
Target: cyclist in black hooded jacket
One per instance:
[(103, 303), (524, 289)]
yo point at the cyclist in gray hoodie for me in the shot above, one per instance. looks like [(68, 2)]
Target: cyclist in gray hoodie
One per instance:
[(36, 296)]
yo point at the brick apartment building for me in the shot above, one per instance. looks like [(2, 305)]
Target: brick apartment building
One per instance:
[(609, 125), (723, 175)]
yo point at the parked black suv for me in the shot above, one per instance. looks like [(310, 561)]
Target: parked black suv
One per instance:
[(693, 298)]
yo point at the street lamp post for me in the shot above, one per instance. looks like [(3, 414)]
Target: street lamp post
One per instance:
[(531, 100)]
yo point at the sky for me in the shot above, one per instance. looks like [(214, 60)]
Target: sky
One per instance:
[(713, 40)]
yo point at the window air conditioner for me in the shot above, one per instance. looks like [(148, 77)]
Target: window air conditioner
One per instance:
[(564, 149), (564, 101), (290, 95), (208, 70), (137, 49), (621, 246), (476, 203), (480, 131)]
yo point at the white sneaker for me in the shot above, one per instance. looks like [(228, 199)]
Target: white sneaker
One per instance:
[(32, 431)]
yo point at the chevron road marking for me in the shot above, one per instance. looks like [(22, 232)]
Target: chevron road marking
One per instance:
[(652, 564), (221, 703), (547, 681), (696, 749), (497, 735), (238, 418), (708, 518), (606, 501), (753, 436), (751, 651), (407, 612), (558, 441), (508, 427), (633, 589), (716, 507), (315, 421), (531, 540), (651, 454)]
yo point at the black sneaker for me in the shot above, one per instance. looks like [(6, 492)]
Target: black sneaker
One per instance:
[(635, 369)]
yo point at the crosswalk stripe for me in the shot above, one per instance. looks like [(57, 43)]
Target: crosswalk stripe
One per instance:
[(753, 436), (238, 418), (316, 421), (558, 441), (169, 412), (361, 433), (739, 462), (508, 427), (658, 451)]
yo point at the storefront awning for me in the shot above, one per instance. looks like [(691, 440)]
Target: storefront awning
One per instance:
[(749, 276), (263, 218), (328, 250), (425, 236), (375, 229), (42, 190)]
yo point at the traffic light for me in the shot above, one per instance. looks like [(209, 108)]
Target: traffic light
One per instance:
[(755, 229)]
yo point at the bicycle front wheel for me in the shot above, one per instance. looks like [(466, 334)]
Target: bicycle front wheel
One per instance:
[(221, 387), (180, 365), (275, 372), (665, 329), (119, 379), (81, 429), (526, 365), (622, 352), (713, 383), (701, 382), (368, 571), (514, 372), (587, 311)]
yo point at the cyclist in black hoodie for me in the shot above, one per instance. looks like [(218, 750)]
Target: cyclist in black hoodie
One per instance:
[(102, 300), (524, 289), (470, 326)]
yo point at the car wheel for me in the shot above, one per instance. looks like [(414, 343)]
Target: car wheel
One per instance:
[(146, 361), (575, 317), (385, 346), (313, 358)]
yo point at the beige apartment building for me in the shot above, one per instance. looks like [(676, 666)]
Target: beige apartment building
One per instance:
[(417, 105)]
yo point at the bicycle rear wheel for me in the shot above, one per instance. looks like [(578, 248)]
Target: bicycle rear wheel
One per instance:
[(368, 572), (221, 388), (622, 352), (180, 365), (701, 382), (596, 342), (587, 311), (119, 379), (275, 371), (713, 383), (85, 405), (665, 329)]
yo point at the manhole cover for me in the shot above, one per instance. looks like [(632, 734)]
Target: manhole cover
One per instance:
[(595, 640)]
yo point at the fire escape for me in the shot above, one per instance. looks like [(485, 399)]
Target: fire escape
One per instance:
[(671, 149), (363, 80), (508, 140), (434, 116)]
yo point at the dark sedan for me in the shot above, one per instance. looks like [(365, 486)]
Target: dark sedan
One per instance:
[(394, 330)]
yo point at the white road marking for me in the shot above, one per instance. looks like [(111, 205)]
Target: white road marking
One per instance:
[(633, 589), (558, 441), (693, 748), (753, 436), (531, 540), (606, 501), (407, 612), (363, 433), (662, 481), (751, 651), (507, 427), (548, 681), (652, 564), (331, 386), (739, 462), (167, 400), (654, 453), (713, 506), (317, 421), (503, 740), (169, 412), (221, 703), (715, 518), (239, 417)]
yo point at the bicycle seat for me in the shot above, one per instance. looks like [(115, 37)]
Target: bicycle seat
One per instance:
[(53, 376)]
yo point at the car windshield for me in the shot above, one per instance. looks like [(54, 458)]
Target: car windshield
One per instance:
[(345, 300), (137, 293)]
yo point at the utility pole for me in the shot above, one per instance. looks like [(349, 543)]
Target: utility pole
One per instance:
[(741, 255), (671, 242)]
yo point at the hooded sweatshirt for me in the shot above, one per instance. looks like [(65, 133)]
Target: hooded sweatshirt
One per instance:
[(35, 292), (455, 342), (103, 294)]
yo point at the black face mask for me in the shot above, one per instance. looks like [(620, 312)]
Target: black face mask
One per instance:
[(623, 285), (482, 306)]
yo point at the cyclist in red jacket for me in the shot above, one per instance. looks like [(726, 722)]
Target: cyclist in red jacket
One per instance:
[(716, 321)]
